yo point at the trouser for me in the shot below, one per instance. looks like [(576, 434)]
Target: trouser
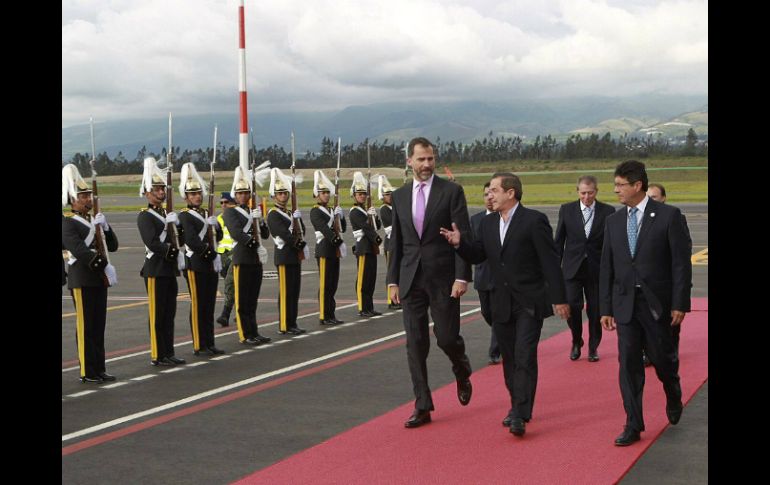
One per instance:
[(366, 279), (329, 276), (91, 309), (643, 331), (486, 311), (424, 295), (227, 274), (161, 292), (288, 295), (248, 282), (203, 296), (584, 283), (518, 338)]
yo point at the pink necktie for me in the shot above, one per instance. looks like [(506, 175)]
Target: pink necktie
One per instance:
[(419, 211)]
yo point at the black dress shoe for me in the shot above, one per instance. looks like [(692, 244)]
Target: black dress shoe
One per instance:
[(262, 339), (509, 418), (518, 427), (335, 321), (94, 379), (365, 314), (251, 341), (165, 362), (418, 418), (494, 359), (593, 356), (325, 322), (627, 437), (375, 313), (464, 391), (674, 412), (223, 321), (214, 351), (176, 360), (394, 306), (575, 354), (106, 377), (296, 331)]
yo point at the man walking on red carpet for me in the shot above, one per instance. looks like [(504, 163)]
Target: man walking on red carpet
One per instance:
[(644, 288)]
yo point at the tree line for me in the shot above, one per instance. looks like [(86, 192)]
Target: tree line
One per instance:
[(489, 149)]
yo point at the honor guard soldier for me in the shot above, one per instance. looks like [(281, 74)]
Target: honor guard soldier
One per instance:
[(161, 265), (90, 273), (248, 256), (202, 261), (287, 258), (366, 247), (224, 248), (384, 192), (329, 246)]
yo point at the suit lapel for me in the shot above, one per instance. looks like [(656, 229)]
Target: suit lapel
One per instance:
[(580, 222), (406, 208), (436, 193), (494, 232), (647, 221), (517, 215)]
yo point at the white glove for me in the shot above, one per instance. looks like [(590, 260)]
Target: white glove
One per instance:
[(101, 220), (297, 214), (388, 230), (112, 275), (257, 213), (218, 263), (172, 217), (212, 221), (372, 211), (180, 262), (262, 253), (343, 250), (338, 211)]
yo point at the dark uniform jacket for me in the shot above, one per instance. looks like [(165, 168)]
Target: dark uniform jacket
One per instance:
[(193, 222), (236, 221), (571, 241), (88, 270), (359, 219), (279, 222), (321, 217), (152, 229), (386, 216)]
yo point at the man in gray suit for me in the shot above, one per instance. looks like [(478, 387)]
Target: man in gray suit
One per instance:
[(424, 273)]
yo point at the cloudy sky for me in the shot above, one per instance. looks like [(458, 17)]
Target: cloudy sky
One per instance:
[(126, 59)]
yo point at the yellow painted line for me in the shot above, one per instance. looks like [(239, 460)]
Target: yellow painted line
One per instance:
[(701, 258), (180, 297)]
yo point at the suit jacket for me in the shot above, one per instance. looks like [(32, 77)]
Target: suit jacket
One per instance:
[(236, 222), (661, 265), (386, 216), (446, 204), (279, 222), (524, 268), (202, 259), (571, 242), (320, 218), (151, 228), (73, 236), (482, 279), (360, 221)]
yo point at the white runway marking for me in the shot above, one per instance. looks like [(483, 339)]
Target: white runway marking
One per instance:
[(82, 393), (117, 384), (221, 357), (146, 376), (173, 369)]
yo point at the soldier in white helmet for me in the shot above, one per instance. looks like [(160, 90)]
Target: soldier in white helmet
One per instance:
[(384, 192), (90, 273), (161, 265), (367, 242), (203, 262), (327, 248)]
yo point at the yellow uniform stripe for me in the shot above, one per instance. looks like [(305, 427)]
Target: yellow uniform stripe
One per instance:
[(236, 279), (321, 296), (151, 306), (360, 283), (194, 310), (80, 326), (282, 296)]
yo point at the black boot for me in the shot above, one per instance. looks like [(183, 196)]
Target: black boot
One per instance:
[(224, 318)]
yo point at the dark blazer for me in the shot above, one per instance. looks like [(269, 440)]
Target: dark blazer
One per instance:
[(150, 229), (482, 279), (235, 222), (202, 259), (525, 268), (446, 205), (386, 216), (359, 220), (73, 235), (571, 242), (320, 218), (661, 266), (280, 226)]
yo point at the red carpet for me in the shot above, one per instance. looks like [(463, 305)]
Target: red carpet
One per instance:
[(578, 413)]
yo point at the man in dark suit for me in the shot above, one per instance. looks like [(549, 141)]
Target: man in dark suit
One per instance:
[(482, 280), (579, 238), (528, 286), (644, 286), (424, 273)]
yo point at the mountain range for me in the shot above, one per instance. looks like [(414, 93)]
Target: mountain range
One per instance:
[(460, 121)]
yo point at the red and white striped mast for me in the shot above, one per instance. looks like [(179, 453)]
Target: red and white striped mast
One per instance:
[(243, 137)]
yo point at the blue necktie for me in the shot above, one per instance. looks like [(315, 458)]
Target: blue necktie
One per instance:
[(631, 228)]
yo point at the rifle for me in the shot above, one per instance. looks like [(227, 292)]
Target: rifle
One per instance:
[(376, 248), (101, 249), (211, 232), (336, 225), (296, 229), (254, 220), (170, 227)]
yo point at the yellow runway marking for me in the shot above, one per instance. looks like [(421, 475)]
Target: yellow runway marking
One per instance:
[(701, 258)]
